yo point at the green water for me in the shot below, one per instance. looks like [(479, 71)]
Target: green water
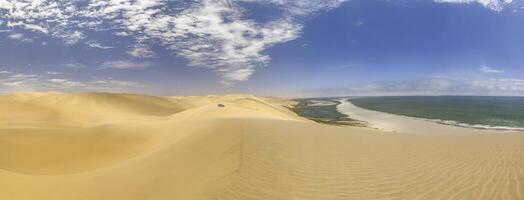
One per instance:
[(328, 113), (483, 112)]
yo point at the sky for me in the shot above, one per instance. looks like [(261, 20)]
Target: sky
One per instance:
[(288, 48)]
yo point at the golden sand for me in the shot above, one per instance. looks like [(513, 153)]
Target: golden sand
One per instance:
[(100, 146)]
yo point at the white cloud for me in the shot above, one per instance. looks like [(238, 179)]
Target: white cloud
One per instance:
[(214, 34), (125, 64), (217, 35), (122, 34), (53, 73), (24, 76), (16, 36), (499, 86), (228, 45), (110, 82), (95, 44), (56, 18), (75, 65), (72, 37), (5, 72), (31, 82), (18, 81), (358, 23), (66, 83), (94, 84), (487, 69), (5, 4), (241, 74), (18, 84), (141, 51), (496, 5), (35, 27), (57, 80), (19, 37), (32, 27), (430, 86)]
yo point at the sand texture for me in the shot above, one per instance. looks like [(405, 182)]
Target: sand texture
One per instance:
[(100, 146)]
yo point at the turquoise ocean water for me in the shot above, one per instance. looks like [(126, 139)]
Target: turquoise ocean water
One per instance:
[(469, 111)]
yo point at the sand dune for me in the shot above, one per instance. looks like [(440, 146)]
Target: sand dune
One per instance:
[(125, 147)]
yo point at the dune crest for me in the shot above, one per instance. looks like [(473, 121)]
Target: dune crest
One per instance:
[(61, 133), (125, 147)]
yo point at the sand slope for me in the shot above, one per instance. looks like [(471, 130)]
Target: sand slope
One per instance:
[(119, 146)]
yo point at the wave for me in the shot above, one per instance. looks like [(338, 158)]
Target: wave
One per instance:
[(466, 125), (321, 103)]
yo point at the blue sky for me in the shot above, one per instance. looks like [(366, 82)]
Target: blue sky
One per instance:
[(264, 47)]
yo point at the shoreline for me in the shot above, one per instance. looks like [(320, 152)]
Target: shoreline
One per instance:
[(406, 124)]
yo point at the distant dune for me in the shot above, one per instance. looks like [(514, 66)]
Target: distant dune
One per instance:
[(100, 146)]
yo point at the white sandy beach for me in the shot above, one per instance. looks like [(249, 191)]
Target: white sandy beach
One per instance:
[(101, 146), (396, 123)]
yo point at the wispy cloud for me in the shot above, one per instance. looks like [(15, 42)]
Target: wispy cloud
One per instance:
[(19, 37), (18, 81), (53, 73), (75, 65), (126, 64), (217, 35), (94, 84), (222, 36), (487, 69), (501, 86), (97, 45), (72, 37), (28, 26), (24, 76), (429, 86), (122, 34), (44, 16), (34, 82), (496, 5), (141, 51), (16, 36), (5, 4), (65, 83), (358, 23)]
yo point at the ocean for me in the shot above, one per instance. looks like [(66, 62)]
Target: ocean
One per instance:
[(504, 113)]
